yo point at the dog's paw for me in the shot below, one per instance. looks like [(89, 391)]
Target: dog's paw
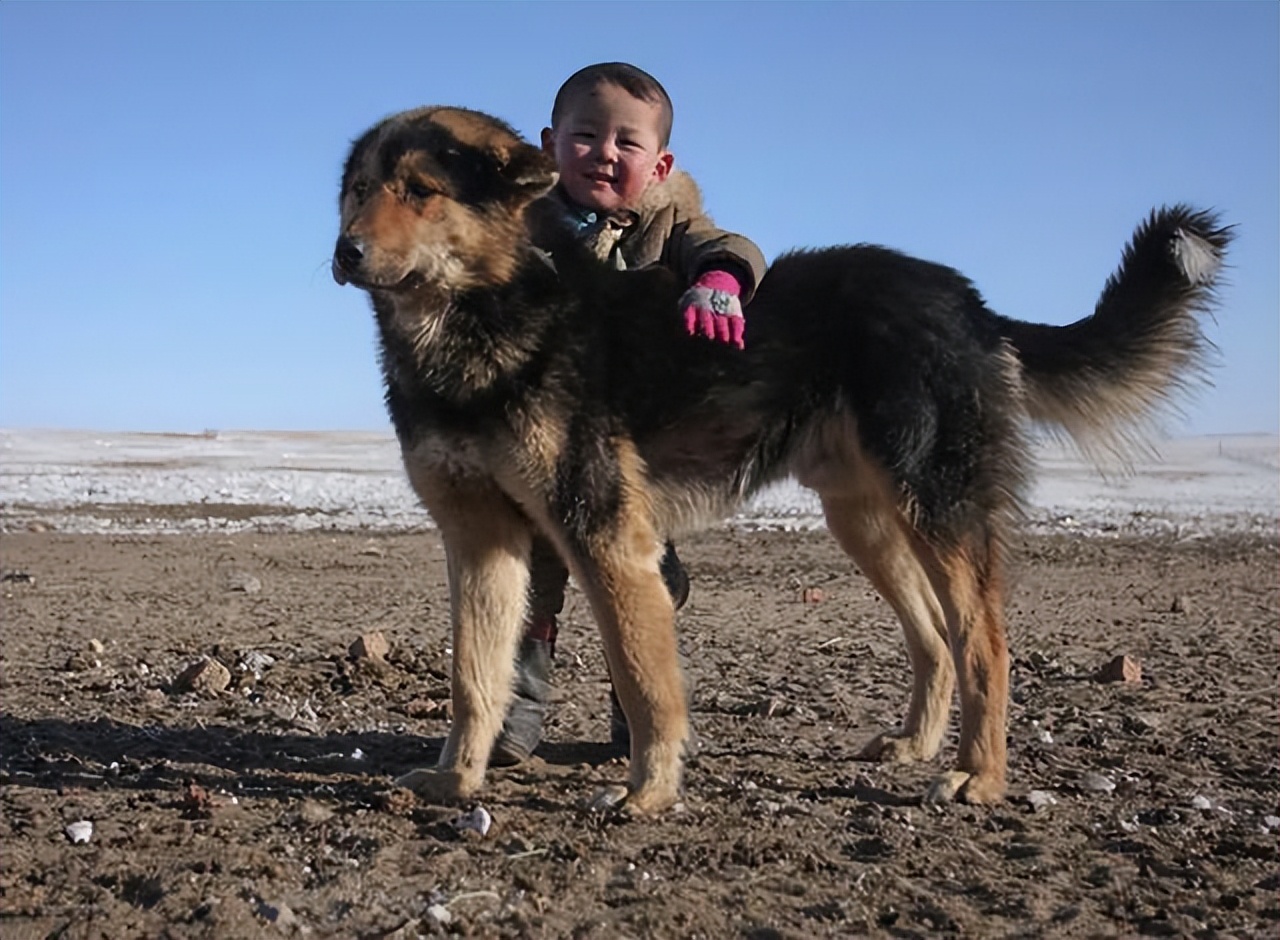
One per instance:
[(964, 787), (437, 786), (609, 800), (623, 801), (893, 747)]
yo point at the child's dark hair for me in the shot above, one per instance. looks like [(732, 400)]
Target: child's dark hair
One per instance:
[(635, 82)]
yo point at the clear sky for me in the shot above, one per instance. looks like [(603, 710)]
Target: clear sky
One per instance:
[(168, 171)]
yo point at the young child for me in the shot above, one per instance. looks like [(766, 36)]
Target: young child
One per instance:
[(618, 193)]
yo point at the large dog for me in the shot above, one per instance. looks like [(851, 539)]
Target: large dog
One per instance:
[(535, 393)]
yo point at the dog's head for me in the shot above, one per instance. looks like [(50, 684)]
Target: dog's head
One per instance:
[(435, 198)]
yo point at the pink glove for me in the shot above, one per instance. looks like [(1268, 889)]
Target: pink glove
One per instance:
[(712, 309)]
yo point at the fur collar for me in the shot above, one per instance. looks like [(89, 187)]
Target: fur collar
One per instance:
[(678, 191)]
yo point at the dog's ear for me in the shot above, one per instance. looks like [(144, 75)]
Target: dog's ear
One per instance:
[(528, 170)]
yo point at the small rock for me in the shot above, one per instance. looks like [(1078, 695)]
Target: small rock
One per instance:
[(204, 675), (440, 914), (97, 646), (80, 662), (79, 832), (1271, 822), (1201, 802), (243, 582), (1041, 799), (278, 913), (372, 551), (1045, 736), (256, 663), (1121, 669), (1181, 605), (1097, 783), (370, 646), (813, 595), (196, 802), (429, 708), (478, 820)]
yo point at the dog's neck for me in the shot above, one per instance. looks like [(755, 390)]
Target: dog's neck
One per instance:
[(460, 345)]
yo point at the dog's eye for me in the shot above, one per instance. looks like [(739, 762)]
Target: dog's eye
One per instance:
[(360, 189), (418, 190)]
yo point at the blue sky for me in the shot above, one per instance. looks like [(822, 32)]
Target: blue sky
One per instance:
[(168, 172)]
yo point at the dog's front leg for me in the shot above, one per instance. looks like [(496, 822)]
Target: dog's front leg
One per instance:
[(637, 623), (486, 543)]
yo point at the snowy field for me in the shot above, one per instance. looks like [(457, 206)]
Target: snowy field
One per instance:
[(82, 481)]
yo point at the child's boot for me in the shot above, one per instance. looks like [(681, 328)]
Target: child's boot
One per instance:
[(522, 727)]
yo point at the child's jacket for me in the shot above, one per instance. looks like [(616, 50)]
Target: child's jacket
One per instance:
[(669, 227)]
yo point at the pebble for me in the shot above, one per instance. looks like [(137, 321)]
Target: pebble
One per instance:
[(79, 832), (1121, 669), (440, 914), (370, 646), (478, 820), (1097, 783), (256, 662), (244, 582), (1201, 802), (279, 914), (97, 646), (1271, 822), (81, 662), (203, 675), (1041, 799)]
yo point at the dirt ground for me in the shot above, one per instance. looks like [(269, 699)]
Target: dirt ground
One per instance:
[(265, 810)]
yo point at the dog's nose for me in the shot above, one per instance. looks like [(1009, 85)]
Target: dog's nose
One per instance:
[(346, 258)]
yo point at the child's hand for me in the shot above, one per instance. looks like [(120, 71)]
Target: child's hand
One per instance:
[(712, 309)]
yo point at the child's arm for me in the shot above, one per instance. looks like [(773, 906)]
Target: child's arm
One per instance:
[(726, 269)]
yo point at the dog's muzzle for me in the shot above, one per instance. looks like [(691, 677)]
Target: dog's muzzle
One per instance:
[(347, 258)]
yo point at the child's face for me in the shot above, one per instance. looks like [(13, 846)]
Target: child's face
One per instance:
[(608, 148)]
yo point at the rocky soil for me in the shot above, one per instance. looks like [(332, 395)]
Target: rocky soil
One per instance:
[(188, 749)]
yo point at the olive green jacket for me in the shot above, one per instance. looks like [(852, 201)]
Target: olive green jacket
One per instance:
[(668, 227)]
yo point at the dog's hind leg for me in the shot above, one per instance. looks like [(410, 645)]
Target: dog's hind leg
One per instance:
[(976, 631), (637, 623), (879, 538), (950, 604), (487, 544)]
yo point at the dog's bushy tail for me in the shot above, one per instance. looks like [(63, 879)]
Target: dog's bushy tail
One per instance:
[(1106, 380)]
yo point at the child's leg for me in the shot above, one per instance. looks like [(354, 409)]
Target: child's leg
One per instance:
[(522, 726)]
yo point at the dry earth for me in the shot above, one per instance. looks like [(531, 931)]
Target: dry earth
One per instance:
[(1145, 808)]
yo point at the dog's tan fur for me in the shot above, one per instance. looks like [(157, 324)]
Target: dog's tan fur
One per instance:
[(568, 403)]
